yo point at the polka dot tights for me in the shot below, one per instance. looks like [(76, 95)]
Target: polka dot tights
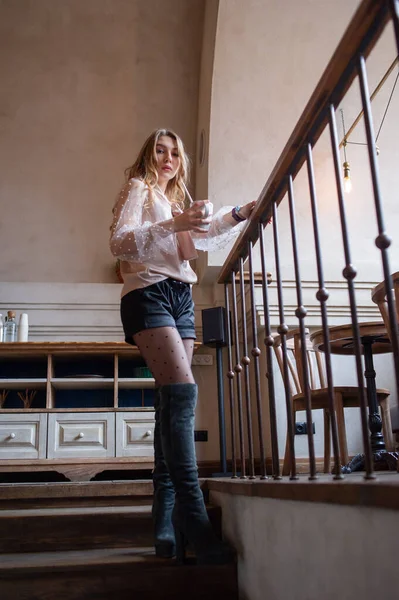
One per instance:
[(167, 356)]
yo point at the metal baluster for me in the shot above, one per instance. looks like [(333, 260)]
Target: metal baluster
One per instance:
[(283, 329), (395, 20), (269, 361), (300, 313), (238, 370), (322, 293), (230, 377), (256, 353), (349, 273), (246, 362), (382, 241)]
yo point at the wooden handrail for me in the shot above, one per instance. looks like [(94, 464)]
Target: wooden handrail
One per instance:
[(258, 278), (360, 37)]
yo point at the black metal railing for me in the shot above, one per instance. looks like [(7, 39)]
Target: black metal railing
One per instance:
[(347, 63)]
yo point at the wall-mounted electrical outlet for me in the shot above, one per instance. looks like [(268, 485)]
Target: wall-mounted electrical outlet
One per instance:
[(201, 435), (201, 360), (301, 428)]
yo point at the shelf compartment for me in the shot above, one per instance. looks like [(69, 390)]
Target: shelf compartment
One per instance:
[(136, 398), (79, 367), (82, 383), (83, 398), (14, 402), (127, 366), (23, 367)]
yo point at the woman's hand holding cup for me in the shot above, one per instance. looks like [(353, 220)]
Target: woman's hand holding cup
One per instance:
[(196, 218), (206, 208)]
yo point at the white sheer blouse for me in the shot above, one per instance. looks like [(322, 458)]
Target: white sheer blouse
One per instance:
[(148, 251)]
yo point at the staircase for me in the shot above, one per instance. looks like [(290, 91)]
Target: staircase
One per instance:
[(93, 540)]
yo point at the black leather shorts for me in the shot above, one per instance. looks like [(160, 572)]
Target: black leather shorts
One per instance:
[(168, 303)]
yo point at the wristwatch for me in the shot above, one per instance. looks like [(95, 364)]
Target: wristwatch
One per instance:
[(235, 213)]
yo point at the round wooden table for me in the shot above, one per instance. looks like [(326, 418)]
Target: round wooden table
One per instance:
[(342, 342), (374, 340)]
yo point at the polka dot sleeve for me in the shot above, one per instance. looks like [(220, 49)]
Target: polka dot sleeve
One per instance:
[(220, 234), (133, 238)]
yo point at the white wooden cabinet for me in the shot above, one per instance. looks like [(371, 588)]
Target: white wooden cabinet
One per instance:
[(89, 412), (23, 436)]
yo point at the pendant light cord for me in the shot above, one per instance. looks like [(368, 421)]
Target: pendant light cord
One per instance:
[(343, 128), (386, 110)]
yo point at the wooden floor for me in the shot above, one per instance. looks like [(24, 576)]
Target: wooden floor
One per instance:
[(81, 541), (94, 540)]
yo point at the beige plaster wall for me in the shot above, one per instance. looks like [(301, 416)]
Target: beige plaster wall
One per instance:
[(82, 85), (269, 57)]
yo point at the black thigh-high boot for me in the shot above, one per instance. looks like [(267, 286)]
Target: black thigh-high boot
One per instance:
[(164, 495), (178, 403)]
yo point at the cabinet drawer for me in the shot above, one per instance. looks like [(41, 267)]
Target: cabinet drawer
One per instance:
[(87, 435), (135, 434), (23, 436)]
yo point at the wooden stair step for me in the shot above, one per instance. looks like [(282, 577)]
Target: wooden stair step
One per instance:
[(19, 495), (106, 573), (78, 559), (62, 490), (52, 529)]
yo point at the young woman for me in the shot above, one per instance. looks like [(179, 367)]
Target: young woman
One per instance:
[(151, 234)]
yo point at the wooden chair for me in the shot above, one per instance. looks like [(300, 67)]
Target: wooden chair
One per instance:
[(379, 297), (344, 396)]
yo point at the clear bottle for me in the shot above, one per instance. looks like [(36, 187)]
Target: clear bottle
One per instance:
[(10, 328), (1, 328)]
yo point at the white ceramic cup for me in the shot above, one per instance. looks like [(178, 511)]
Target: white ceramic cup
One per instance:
[(207, 211), (23, 328)]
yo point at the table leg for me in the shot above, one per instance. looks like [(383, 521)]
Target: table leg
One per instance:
[(385, 460), (375, 422)]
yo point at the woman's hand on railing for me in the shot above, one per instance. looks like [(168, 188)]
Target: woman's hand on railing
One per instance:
[(246, 210), (239, 213)]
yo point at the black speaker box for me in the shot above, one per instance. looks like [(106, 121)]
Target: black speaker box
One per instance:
[(214, 327)]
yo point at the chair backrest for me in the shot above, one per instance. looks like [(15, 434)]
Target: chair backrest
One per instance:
[(379, 297), (314, 362)]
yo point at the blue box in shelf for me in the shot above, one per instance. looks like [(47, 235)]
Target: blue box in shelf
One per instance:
[(142, 372)]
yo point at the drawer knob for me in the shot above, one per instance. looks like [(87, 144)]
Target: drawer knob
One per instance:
[(12, 435), (81, 434), (148, 433)]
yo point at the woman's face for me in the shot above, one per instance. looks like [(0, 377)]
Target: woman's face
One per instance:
[(167, 160)]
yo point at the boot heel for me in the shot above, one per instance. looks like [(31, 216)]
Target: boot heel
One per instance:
[(165, 549), (181, 544)]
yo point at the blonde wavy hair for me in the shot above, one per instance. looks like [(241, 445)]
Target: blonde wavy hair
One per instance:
[(145, 166)]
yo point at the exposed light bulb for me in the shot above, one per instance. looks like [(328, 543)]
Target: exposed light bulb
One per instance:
[(347, 184), (347, 178)]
